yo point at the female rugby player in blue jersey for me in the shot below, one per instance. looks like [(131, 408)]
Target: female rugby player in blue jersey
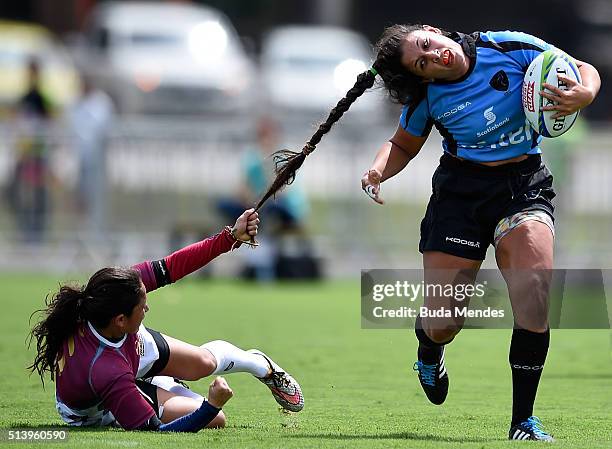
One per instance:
[(491, 186), (111, 370)]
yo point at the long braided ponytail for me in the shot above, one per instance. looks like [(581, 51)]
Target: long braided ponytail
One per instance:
[(288, 162), (403, 88)]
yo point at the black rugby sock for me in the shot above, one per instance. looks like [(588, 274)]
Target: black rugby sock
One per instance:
[(527, 356), (429, 351)]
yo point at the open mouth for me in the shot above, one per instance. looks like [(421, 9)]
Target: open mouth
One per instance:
[(447, 57)]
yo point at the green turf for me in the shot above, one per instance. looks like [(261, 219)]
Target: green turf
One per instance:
[(359, 386)]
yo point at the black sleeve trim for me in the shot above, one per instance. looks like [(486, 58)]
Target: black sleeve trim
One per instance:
[(412, 106), (409, 112), (508, 46), (450, 140), (162, 274), (534, 139), (428, 127)]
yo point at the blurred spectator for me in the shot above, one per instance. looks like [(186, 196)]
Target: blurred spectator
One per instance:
[(90, 119), (28, 187), (283, 218)]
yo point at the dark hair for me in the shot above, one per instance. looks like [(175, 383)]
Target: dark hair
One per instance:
[(108, 293), (403, 87)]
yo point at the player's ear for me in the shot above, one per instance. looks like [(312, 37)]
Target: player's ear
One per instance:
[(120, 321), (432, 29)]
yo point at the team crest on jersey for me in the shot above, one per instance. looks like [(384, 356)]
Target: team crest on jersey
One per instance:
[(500, 81), (140, 347)]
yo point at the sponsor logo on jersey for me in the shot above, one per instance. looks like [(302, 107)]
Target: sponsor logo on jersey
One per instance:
[(463, 242), (528, 96), (489, 115), (454, 110), (493, 127)]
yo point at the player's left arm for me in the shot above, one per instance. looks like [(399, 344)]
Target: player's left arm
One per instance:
[(179, 264), (577, 96)]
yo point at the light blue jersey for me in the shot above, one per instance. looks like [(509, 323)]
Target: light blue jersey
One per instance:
[(481, 115)]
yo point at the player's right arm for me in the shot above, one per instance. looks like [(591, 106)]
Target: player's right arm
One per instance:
[(158, 273), (121, 397), (391, 158)]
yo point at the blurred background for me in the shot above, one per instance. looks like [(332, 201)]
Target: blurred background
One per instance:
[(128, 129)]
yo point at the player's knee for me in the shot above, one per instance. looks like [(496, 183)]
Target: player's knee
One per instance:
[(539, 289), (442, 336), (206, 364), (218, 422), (201, 364)]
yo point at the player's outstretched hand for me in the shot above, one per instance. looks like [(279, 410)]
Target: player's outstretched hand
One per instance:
[(219, 392), (246, 225), (370, 183)]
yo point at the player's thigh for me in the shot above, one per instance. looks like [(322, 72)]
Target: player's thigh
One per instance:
[(528, 246), (525, 257), (442, 270), (187, 361)]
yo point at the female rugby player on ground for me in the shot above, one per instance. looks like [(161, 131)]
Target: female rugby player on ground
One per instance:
[(491, 186), (111, 370)]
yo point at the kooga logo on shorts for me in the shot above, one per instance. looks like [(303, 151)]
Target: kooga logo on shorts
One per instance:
[(463, 242)]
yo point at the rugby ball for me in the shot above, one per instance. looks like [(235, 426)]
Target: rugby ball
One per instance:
[(544, 69)]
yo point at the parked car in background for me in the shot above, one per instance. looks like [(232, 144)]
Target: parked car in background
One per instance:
[(155, 57), (309, 68), (21, 42)]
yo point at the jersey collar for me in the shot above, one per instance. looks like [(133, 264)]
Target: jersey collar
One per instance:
[(104, 340)]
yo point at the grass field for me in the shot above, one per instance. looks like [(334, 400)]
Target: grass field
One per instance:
[(359, 386)]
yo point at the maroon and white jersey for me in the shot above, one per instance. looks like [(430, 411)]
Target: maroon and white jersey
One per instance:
[(97, 376)]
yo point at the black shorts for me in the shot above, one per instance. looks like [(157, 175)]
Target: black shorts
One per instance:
[(164, 354), (468, 200), (149, 393)]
